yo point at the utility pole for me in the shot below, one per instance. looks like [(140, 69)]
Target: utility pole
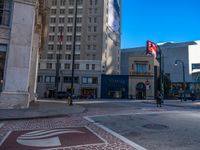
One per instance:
[(73, 54), (60, 39)]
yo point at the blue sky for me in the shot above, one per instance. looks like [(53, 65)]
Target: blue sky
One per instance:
[(159, 21)]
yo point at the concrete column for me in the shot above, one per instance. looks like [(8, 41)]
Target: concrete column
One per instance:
[(17, 70)]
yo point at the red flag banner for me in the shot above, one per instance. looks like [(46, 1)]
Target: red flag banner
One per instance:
[(152, 48), (60, 38)]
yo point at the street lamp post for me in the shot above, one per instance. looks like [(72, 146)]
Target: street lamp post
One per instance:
[(60, 39), (73, 54), (183, 69), (161, 71)]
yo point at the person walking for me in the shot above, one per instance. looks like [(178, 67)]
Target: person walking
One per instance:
[(159, 99)]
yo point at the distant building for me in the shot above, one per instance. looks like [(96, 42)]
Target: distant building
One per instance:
[(97, 49), (19, 26), (141, 71), (188, 52)]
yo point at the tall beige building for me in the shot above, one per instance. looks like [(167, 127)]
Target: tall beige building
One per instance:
[(97, 49)]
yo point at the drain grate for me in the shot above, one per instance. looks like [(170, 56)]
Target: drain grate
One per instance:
[(155, 126)]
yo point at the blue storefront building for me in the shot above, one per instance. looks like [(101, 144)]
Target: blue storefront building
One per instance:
[(114, 86)]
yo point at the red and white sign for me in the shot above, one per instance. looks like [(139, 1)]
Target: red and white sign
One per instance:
[(152, 48)]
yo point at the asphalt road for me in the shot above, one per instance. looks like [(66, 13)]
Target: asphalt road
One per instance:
[(158, 131)]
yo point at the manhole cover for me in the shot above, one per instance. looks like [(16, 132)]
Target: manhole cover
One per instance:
[(155, 126)]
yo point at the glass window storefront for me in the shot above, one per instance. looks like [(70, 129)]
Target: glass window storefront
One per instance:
[(177, 89), (5, 6), (2, 63)]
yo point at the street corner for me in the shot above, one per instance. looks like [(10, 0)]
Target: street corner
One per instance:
[(50, 138)]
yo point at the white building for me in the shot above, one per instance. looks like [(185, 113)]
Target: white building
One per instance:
[(189, 54)]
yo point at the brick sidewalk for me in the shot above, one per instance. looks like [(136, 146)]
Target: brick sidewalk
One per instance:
[(110, 142)]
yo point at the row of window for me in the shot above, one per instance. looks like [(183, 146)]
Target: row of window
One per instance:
[(76, 66), (62, 20), (71, 2), (5, 12), (67, 79), (141, 68), (68, 38), (69, 47), (60, 47), (67, 56), (70, 11), (61, 28), (63, 2)]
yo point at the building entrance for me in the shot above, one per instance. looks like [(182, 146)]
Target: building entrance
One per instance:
[(140, 91), (2, 63)]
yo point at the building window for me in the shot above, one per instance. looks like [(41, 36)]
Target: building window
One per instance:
[(93, 57), (78, 47), (78, 38), (62, 2), (50, 47), (49, 56), (40, 79), (60, 28), (69, 38), (52, 20), (71, 2), (67, 66), (80, 2), (69, 29), (94, 38), (68, 56), (95, 29), (49, 66), (68, 47), (51, 38), (59, 56), (87, 67), (53, 11), (78, 29), (70, 20), (68, 79), (79, 19), (5, 6), (79, 11), (61, 20), (59, 47), (54, 2), (90, 80), (49, 79), (71, 11), (76, 66), (52, 29), (141, 68), (62, 11), (77, 56), (93, 66)]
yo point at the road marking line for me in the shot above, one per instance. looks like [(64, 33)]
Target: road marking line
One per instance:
[(138, 113), (1, 142), (133, 144)]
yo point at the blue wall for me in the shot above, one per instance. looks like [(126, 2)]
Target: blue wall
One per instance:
[(114, 83)]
